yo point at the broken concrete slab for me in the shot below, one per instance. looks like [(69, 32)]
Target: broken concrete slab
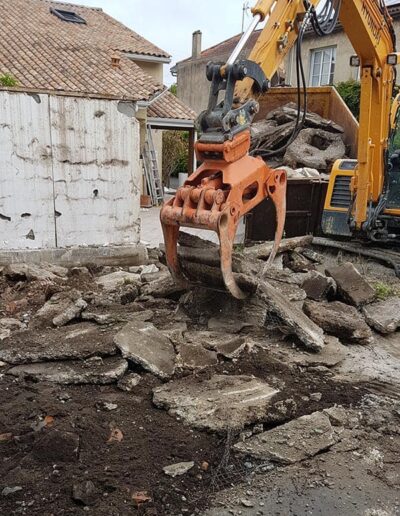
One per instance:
[(287, 276), (231, 347), (333, 353), (318, 286), (291, 292), (61, 308), (142, 343), (342, 417), (177, 470), (293, 319), (221, 323), (383, 316), (195, 356), (293, 442), (174, 330), (352, 287), (164, 286), (218, 404), (340, 320), (80, 341), (228, 345), (315, 148), (100, 372), (115, 280), (30, 272)]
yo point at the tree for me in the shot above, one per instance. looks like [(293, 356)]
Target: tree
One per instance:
[(350, 92), (174, 89), (175, 157)]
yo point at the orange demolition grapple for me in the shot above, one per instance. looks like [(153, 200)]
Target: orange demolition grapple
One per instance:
[(228, 184)]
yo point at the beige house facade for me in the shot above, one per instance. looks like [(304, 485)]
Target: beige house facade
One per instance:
[(326, 61)]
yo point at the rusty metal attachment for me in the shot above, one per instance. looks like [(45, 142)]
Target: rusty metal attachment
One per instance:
[(227, 185)]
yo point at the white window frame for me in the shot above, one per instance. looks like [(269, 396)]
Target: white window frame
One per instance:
[(319, 75)]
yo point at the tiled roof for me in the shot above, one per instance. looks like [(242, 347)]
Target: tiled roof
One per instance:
[(168, 106), (43, 52)]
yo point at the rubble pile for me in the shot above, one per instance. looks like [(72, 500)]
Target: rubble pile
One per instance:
[(157, 365), (317, 146)]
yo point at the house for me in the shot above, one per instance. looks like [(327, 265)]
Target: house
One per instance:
[(326, 61), (79, 95)]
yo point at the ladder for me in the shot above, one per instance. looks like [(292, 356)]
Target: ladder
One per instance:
[(151, 171)]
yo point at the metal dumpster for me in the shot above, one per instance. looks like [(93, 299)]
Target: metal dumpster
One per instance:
[(305, 197), (305, 202)]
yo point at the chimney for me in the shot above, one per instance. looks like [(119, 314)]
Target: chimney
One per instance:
[(196, 46)]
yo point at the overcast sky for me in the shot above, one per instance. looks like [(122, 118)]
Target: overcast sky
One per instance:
[(170, 24)]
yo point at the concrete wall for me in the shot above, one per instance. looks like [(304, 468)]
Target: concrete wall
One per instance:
[(69, 172), (155, 70), (193, 88), (344, 49)]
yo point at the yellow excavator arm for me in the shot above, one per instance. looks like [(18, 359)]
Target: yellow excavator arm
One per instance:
[(369, 28)]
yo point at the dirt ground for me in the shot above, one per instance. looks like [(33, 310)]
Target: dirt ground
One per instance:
[(54, 437)]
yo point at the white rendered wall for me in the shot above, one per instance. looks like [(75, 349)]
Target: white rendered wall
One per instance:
[(69, 172)]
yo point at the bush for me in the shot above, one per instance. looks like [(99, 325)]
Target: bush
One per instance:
[(350, 92), (8, 80)]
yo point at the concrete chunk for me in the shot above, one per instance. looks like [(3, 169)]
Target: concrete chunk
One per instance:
[(62, 308), (341, 320), (31, 272), (177, 470), (218, 404), (101, 372), (317, 286), (293, 442), (293, 318), (384, 316), (352, 287), (142, 343), (113, 281), (333, 353), (80, 341), (194, 356)]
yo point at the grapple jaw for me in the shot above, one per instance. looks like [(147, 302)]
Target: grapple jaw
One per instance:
[(223, 189)]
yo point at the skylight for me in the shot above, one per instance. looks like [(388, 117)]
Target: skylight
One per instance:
[(68, 16)]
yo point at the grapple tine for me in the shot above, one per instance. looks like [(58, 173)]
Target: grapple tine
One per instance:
[(171, 233), (277, 191), (226, 233)]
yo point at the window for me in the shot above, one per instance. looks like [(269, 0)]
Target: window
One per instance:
[(68, 16), (322, 66)]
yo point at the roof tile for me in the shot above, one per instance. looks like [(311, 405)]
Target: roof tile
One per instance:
[(43, 52), (169, 106)]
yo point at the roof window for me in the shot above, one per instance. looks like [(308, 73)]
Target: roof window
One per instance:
[(68, 16)]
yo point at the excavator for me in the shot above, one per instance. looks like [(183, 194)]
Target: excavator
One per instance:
[(363, 198)]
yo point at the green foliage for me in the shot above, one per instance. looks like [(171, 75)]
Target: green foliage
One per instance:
[(384, 291), (175, 153), (350, 92), (174, 89), (8, 80)]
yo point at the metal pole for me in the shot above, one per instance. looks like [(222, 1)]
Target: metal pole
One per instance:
[(244, 39)]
